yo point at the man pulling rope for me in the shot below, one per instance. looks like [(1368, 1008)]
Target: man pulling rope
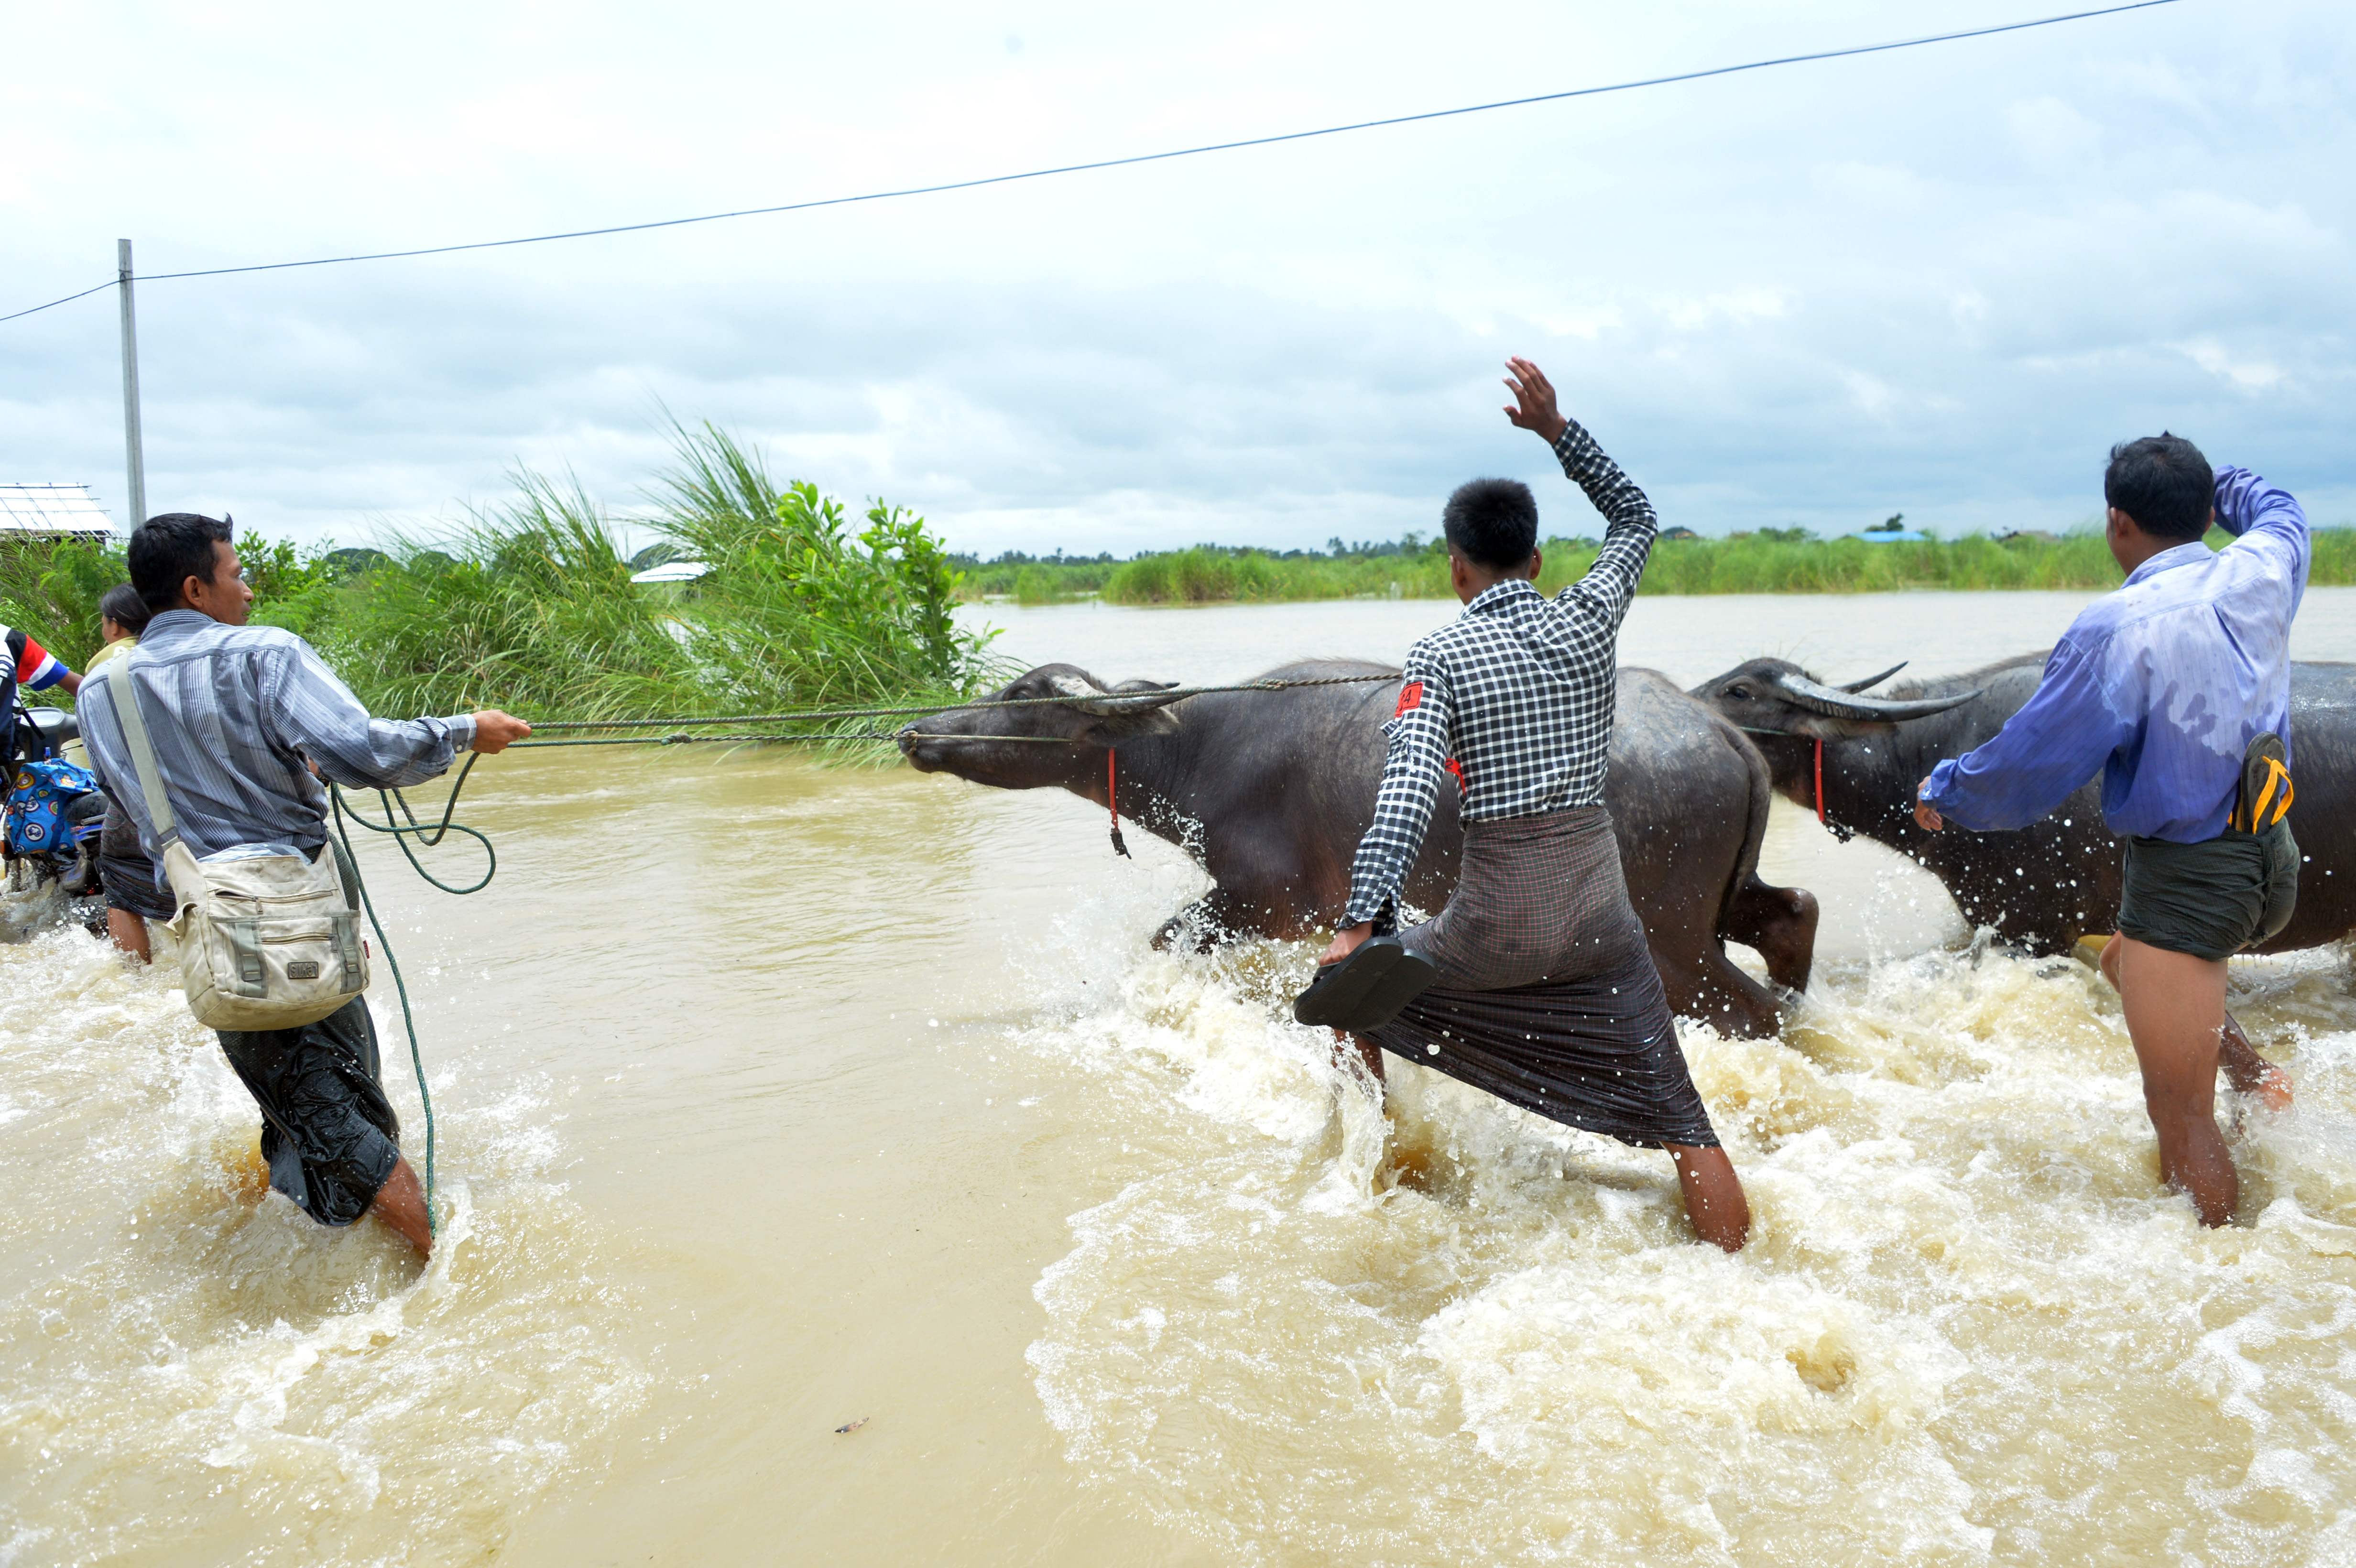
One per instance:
[(239, 716)]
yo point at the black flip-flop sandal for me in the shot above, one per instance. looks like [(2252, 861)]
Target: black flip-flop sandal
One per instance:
[(1367, 990)]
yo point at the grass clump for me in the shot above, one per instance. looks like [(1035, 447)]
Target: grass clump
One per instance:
[(530, 606), (526, 606)]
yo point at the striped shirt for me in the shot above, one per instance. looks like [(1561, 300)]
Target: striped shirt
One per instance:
[(29, 665), (233, 713), (1514, 697), (24, 666)]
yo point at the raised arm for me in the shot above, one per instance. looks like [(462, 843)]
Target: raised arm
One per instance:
[(1417, 737), (2265, 518), (1628, 525)]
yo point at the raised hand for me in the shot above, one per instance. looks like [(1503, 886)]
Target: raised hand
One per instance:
[(1534, 400)]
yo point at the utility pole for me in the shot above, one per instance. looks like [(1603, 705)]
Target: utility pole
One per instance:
[(134, 464)]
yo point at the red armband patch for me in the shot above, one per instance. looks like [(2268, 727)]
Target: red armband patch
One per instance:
[(1463, 789), (1410, 696)]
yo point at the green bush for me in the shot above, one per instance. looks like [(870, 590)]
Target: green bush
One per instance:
[(796, 608)]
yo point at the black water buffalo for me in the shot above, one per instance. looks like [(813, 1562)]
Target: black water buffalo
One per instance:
[(1269, 792), (2057, 879)]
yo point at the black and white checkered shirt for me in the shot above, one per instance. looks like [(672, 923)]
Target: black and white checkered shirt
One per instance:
[(1513, 697)]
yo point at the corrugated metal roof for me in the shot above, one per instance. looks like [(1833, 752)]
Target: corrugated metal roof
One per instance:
[(52, 509)]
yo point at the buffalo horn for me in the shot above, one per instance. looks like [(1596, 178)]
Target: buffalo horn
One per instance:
[(1837, 702), (1131, 696), (1869, 682)]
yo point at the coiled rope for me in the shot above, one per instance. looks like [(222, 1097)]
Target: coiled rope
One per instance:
[(405, 826), (429, 836)]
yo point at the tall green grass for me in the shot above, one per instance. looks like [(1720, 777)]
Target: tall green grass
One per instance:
[(527, 606), (1204, 575), (1755, 563)]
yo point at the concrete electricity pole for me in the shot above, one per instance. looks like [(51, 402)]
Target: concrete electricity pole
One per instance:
[(135, 466)]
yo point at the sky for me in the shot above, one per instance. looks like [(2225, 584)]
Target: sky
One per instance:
[(1939, 281)]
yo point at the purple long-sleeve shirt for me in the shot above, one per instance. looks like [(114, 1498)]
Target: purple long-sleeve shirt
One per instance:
[(2160, 687)]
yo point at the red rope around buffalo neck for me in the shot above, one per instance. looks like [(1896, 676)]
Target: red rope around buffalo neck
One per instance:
[(1820, 784), (1113, 801)]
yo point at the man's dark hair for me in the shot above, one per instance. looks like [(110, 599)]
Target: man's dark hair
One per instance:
[(2163, 482), (1493, 522), (168, 549), (122, 605)]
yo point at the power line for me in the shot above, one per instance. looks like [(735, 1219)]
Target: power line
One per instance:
[(67, 300), (1134, 158)]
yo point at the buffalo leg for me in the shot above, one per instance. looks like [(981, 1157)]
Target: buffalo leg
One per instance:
[(1711, 988), (1781, 922)]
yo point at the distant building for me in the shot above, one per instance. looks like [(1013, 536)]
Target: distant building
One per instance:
[(1679, 532), (52, 511), (1891, 530)]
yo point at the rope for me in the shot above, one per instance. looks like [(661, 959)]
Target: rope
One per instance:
[(684, 739), (813, 715), (406, 826), (429, 836)]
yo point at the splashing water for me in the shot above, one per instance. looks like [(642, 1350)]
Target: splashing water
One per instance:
[(192, 1371), (1970, 1327)]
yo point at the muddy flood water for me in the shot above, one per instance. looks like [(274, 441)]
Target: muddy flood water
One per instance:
[(836, 1177)]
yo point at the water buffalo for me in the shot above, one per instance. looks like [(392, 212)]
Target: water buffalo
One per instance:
[(1269, 792), (2057, 879)]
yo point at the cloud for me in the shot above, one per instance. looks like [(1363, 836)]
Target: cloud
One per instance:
[(1941, 282)]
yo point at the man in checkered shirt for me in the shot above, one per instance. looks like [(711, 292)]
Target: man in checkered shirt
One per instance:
[(1547, 996)]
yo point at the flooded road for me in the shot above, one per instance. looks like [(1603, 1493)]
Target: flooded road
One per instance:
[(778, 1098)]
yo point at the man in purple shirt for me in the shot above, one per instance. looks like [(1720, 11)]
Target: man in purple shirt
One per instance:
[(2173, 688)]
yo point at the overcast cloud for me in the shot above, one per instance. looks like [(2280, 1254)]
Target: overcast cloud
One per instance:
[(1938, 282)]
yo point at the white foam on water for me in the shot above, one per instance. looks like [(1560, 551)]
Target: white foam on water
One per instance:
[(190, 1370), (1970, 1327)]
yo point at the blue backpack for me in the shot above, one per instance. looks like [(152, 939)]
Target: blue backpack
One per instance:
[(37, 808)]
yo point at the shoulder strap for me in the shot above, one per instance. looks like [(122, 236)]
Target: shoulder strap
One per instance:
[(125, 693)]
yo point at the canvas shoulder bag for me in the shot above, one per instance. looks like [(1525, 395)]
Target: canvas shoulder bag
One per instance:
[(268, 940)]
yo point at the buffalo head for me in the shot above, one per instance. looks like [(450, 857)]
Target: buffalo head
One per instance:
[(1017, 748), (1777, 696)]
